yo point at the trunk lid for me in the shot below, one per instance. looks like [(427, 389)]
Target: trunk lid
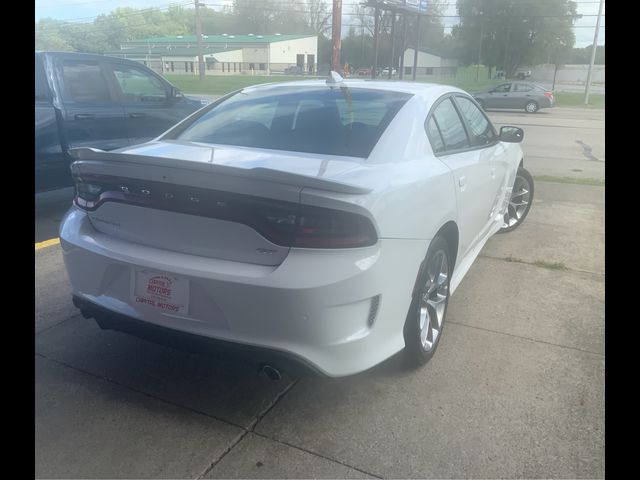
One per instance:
[(164, 194)]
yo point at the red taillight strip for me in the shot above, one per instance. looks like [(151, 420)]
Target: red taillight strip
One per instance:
[(357, 230)]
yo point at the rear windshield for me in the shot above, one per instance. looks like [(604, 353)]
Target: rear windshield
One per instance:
[(335, 121)]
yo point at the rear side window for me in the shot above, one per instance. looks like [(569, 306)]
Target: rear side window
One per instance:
[(451, 127), (139, 86), (84, 82), (482, 132), (433, 132), (317, 119)]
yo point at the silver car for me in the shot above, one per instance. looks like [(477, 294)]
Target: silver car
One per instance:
[(516, 95)]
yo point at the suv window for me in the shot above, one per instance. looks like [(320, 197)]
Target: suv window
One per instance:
[(502, 88), (139, 86), (451, 127), (522, 87), (482, 132), (42, 88), (84, 81)]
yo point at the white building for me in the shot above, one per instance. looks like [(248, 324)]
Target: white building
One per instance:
[(429, 64), (225, 54)]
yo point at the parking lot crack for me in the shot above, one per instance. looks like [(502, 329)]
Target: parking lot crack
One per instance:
[(316, 454), (526, 338), (272, 404), (558, 266), (248, 430), (587, 151), (217, 460), (141, 392)]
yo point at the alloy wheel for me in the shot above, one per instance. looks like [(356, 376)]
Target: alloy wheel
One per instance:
[(518, 203), (433, 300)]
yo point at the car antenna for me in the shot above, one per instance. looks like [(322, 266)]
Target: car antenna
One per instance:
[(334, 78)]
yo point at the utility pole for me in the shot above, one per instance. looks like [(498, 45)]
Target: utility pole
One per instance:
[(404, 43), (415, 51), (376, 31), (480, 48), (335, 35), (393, 43), (199, 39), (593, 54)]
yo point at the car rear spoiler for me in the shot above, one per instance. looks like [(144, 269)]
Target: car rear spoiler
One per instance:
[(93, 154)]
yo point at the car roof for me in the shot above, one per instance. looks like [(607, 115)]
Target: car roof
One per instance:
[(87, 56), (424, 90)]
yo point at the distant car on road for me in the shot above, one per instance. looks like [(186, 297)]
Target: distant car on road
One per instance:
[(85, 100), (516, 95), (363, 72), (523, 74)]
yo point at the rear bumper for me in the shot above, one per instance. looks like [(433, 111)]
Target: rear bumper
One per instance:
[(109, 320), (338, 311)]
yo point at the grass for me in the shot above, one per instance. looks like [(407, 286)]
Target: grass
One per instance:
[(576, 99), (576, 181), (464, 79)]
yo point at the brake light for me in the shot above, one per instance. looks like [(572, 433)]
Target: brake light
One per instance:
[(549, 94), (282, 223)]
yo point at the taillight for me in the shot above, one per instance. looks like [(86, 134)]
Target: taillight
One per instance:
[(548, 94), (283, 223)]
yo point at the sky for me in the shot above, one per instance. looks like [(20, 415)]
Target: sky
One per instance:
[(86, 10)]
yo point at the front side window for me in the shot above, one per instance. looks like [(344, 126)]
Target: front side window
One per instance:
[(138, 86), (522, 87), (451, 126), (42, 88), (84, 82), (505, 87), (321, 120), (482, 132)]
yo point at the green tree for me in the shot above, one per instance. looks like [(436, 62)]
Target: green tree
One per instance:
[(514, 33)]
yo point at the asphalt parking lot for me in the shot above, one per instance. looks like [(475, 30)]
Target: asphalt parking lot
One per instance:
[(516, 388)]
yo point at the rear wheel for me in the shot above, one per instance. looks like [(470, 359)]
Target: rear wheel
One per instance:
[(520, 201), (531, 107), (425, 319)]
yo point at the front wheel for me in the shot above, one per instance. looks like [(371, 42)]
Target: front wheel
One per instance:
[(520, 201), (425, 319)]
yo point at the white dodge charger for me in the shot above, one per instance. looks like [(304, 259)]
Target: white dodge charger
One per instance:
[(327, 222)]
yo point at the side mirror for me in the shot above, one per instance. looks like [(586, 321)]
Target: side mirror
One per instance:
[(511, 134), (175, 93)]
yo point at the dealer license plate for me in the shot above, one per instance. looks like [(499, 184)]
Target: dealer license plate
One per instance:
[(165, 292)]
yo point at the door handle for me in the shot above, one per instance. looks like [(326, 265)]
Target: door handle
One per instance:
[(493, 173), (84, 116), (505, 94), (136, 115), (462, 181)]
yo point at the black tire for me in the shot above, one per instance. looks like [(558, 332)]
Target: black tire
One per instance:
[(531, 107), (524, 175), (416, 354)]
